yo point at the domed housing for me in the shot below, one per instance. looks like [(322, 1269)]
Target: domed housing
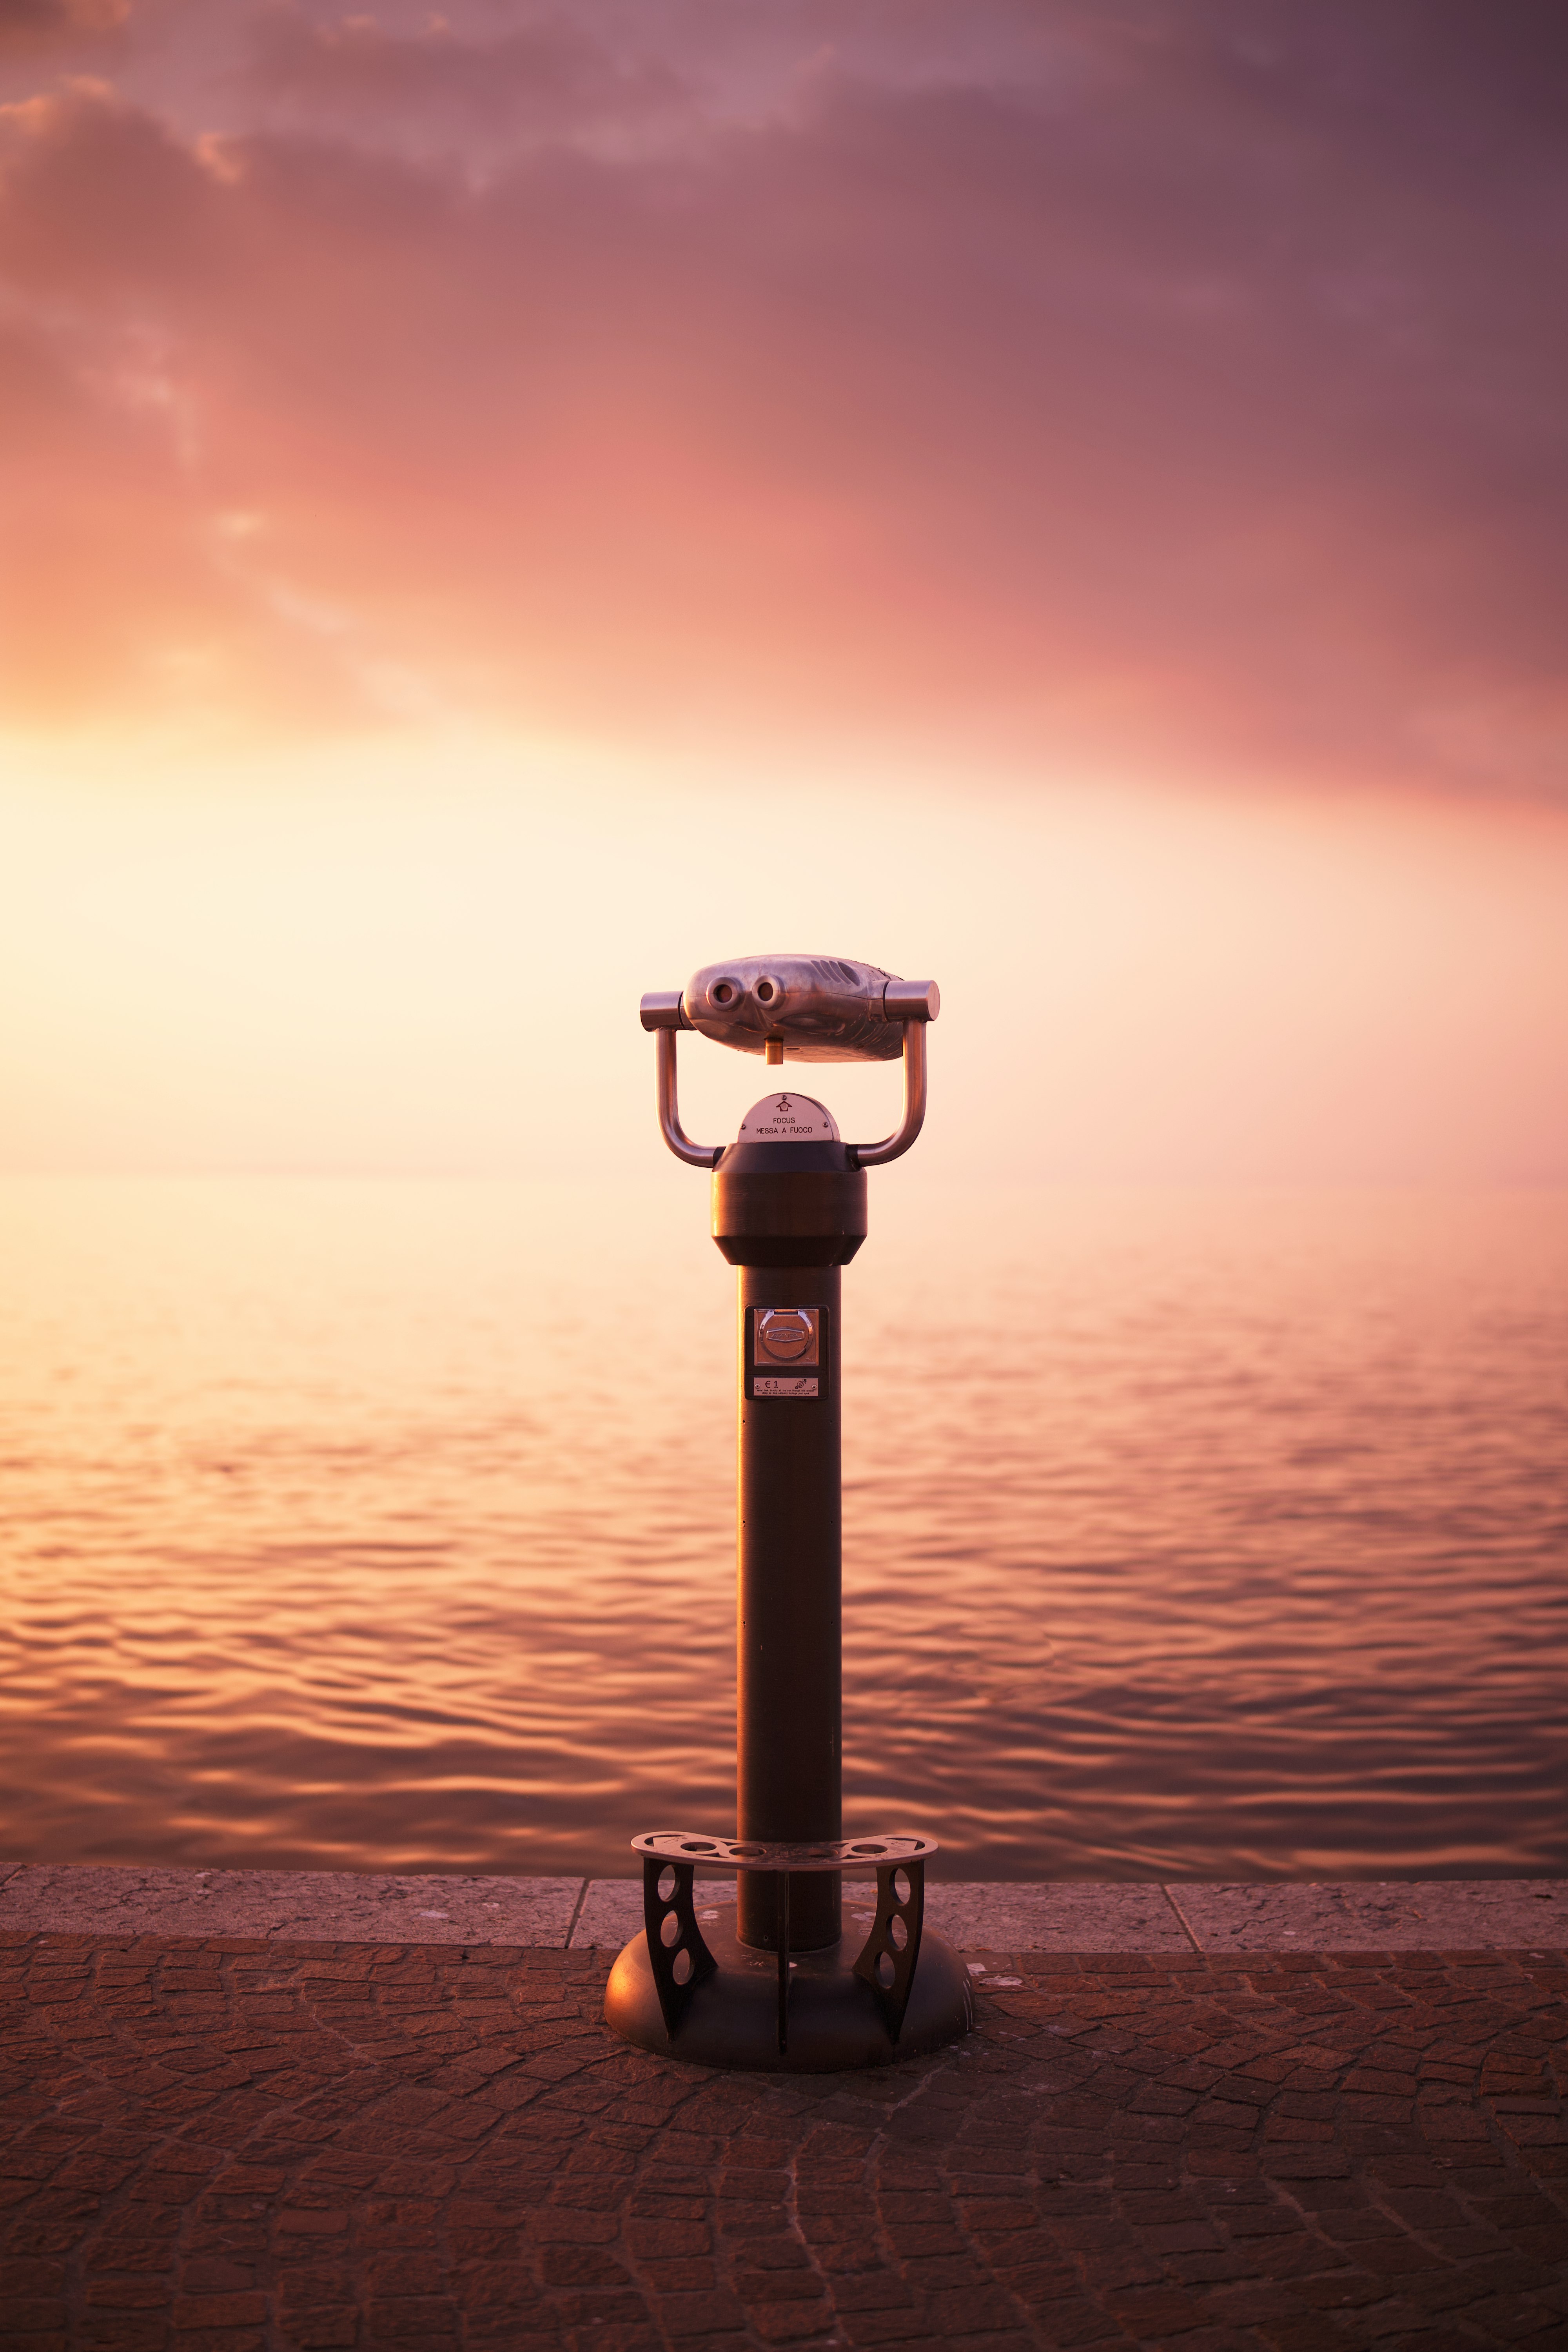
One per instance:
[(821, 1008)]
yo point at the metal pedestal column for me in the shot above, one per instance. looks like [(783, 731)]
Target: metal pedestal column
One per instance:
[(788, 1636), (785, 1989)]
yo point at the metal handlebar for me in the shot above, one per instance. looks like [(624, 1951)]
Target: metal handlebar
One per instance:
[(663, 1012), (893, 1147), (696, 1155)]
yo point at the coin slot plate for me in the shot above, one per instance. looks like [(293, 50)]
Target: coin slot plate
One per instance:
[(784, 1351)]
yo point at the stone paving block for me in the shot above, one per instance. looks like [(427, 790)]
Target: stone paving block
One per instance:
[(1454, 1914), (324, 1905), (1068, 1915), (1004, 2194), (612, 1914)]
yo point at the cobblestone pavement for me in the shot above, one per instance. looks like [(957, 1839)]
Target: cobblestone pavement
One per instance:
[(238, 2145)]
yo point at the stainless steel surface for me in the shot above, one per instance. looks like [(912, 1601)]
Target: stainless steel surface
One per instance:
[(807, 1853), (661, 1009), (788, 1117), (822, 1008), (818, 1008), (696, 1155), (784, 1334), (892, 1147), (912, 1000)]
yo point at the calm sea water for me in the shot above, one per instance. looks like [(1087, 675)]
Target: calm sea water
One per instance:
[(390, 1526)]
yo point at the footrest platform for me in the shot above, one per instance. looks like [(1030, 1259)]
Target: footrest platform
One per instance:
[(681, 1960)]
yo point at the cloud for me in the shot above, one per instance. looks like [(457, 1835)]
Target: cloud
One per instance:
[(33, 24), (1180, 386), (426, 89)]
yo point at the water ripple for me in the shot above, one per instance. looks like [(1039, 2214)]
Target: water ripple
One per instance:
[(347, 1523)]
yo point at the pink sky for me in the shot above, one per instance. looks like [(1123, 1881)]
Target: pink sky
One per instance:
[(1186, 382), (1156, 398)]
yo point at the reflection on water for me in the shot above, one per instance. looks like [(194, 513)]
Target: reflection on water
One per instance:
[(391, 1526)]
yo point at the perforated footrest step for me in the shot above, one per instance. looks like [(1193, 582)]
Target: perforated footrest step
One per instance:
[(681, 1960)]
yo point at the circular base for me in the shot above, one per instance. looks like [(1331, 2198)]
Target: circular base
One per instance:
[(835, 2020)]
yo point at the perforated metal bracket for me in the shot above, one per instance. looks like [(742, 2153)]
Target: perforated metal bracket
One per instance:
[(887, 1957), (887, 1962), (680, 1958)]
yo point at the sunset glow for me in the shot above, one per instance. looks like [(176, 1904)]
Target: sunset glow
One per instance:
[(506, 503), (499, 507)]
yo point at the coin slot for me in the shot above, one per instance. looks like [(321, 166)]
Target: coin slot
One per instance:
[(786, 1336)]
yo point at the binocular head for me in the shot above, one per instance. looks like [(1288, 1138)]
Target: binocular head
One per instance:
[(810, 1008), (817, 1008)]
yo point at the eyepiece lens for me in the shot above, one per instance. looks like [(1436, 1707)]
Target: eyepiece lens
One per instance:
[(766, 990)]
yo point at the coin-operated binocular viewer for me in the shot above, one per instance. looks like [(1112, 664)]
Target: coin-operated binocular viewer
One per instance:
[(786, 1989)]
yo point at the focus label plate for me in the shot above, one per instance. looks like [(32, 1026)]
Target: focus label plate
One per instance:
[(787, 1118)]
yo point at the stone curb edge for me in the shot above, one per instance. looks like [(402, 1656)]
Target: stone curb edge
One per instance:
[(1063, 1916)]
